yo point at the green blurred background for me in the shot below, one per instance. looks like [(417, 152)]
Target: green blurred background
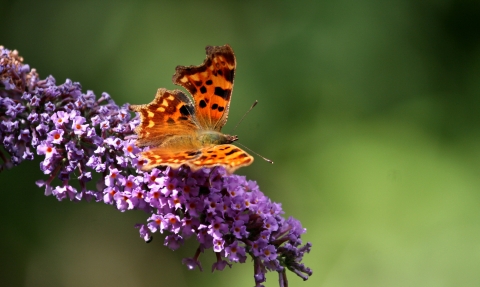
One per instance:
[(368, 108)]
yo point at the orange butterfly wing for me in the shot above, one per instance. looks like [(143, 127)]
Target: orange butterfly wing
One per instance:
[(170, 113), (211, 85), (227, 155)]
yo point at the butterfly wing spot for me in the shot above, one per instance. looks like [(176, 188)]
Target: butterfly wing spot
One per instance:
[(232, 151), (193, 154), (150, 124), (224, 94), (185, 111)]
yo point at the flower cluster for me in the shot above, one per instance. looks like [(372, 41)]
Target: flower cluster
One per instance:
[(77, 135)]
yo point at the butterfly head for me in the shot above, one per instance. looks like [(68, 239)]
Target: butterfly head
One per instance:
[(231, 139)]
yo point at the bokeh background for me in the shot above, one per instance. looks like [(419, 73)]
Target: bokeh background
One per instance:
[(369, 109)]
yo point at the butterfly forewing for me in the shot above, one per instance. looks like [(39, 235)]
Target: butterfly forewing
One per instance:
[(211, 85)]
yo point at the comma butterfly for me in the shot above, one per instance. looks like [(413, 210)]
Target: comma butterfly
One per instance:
[(182, 131)]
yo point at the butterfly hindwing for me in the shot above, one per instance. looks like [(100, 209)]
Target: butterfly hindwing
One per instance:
[(227, 155), (171, 157), (211, 85)]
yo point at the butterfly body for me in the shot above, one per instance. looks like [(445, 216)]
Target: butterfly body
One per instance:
[(215, 138), (182, 131), (196, 140)]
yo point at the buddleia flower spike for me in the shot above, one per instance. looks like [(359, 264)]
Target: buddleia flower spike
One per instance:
[(77, 135)]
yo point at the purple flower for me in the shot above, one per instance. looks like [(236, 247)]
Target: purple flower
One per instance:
[(218, 244), (77, 136), (269, 253), (236, 253), (217, 228), (172, 222), (60, 118), (193, 262), (14, 109), (55, 136), (237, 203), (257, 246), (9, 126), (64, 192), (173, 241), (78, 125), (109, 195), (138, 199), (105, 125), (270, 224), (239, 230), (189, 225), (129, 183), (144, 232), (220, 264), (47, 149), (74, 153)]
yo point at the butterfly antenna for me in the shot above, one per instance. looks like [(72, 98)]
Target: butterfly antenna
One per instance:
[(254, 104), (264, 158)]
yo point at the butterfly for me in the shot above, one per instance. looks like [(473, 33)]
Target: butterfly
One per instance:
[(182, 130)]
